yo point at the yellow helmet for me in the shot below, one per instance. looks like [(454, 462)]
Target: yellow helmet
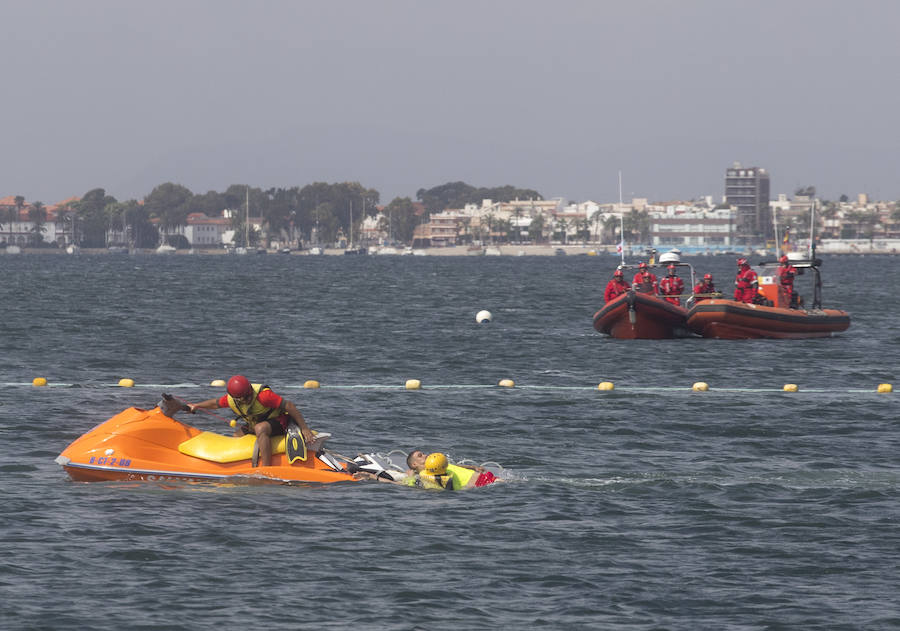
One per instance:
[(436, 464)]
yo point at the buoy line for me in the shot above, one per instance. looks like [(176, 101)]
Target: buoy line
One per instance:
[(502, 384)]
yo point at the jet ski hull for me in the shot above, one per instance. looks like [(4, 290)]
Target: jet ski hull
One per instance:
[(139, 444)]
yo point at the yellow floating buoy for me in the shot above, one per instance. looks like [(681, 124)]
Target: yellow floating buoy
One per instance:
[(39, 381), (126, 383), (700, 386), (791, 387), (507, 383), (885, 387), (311, 383), (217, 383), (413, 384), (605, 385)]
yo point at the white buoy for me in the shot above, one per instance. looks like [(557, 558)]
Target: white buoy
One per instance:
[(700, 386), (413, 384), (217, 383), (483, 316), (507, 383)]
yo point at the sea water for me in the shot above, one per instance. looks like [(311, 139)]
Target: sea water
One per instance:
[(647, 507)]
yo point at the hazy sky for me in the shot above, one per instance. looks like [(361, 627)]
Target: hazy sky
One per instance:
[(557, 96)]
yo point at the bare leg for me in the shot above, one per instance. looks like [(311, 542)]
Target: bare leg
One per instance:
[(263, 439)]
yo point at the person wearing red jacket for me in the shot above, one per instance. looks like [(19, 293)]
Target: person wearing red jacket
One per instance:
[(616, 287), (672, 286), (786, 274), (746, 282), (645, 281), (706, 286)]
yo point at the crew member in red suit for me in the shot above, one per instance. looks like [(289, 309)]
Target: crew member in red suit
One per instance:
[(745, 283), (671, 285), (706, 286), (645, 281), (616, 287), (786, 273)]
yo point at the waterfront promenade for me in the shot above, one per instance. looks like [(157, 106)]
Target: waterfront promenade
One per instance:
[(826, 246)]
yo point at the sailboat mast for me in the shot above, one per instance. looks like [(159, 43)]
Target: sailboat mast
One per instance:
[(812, 227), (775, 227), (621, 221), (247, 219)]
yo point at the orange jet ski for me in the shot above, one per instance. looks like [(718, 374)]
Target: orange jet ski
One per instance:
[(139, 444)]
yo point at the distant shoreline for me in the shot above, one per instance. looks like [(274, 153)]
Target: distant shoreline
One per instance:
[(843, 248)]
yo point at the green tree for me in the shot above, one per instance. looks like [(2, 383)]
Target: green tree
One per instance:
[(518, 211), (536, 228), (458, 194), (13, 214), (318, 200), (37, 214), (611, 226), (91, 218), (637, 226), (403, 218), (464, 225), (211, 204), (583, 229), (169, 203)]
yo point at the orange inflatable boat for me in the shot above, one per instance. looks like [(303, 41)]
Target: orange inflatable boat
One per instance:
[(141, 444)]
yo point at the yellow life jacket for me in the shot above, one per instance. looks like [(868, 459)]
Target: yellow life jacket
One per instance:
[(254, 412), (427, 481), (461, 475)]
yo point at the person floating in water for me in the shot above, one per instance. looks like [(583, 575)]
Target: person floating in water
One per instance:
[(435, 471)]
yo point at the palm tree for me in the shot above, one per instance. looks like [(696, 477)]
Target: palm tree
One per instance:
[(536, 228), (13, 215), (517, 211), (584, 228), (37, 214), (465, 223)]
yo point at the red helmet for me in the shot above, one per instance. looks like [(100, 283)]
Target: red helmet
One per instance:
[(618, 273), (707, 277), (742, 261), (783, 259), (239, 386), (642, 266)]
